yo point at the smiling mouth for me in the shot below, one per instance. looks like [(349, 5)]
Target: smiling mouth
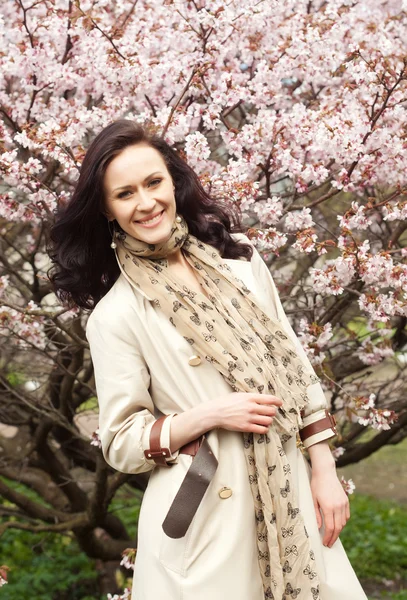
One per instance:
[(151, 221)]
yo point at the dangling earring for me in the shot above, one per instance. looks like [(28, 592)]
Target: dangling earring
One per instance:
[(113, 245)]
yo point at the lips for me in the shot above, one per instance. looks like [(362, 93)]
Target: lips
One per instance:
[(150, 217)]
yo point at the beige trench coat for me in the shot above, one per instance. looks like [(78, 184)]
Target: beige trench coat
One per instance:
[(142, 371)]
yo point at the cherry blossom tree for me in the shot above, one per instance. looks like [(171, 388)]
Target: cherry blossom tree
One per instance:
[(293, 111)]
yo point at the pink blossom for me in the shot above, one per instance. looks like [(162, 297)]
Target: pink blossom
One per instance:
[(269, 212), (338, 452), (125, 596), (348, 485), (299, 220), (95, 439), (128, 558)]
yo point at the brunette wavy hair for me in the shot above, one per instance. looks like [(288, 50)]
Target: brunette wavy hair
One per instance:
[(84, 265)]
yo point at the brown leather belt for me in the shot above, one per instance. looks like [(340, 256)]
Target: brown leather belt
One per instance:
[(194, 485)]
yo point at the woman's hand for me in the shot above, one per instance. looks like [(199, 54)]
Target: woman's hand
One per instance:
[(328, 494), (240, 411)]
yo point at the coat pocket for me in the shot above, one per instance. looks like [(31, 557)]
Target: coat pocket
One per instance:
[(174, 552)]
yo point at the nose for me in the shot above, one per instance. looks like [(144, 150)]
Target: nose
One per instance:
[(144, 204)]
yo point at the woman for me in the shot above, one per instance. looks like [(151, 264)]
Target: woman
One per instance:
[(200, 380)]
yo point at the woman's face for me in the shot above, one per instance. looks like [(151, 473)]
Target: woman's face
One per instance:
[(139, 194)]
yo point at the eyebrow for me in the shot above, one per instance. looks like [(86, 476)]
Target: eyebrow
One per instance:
[(125, 187)]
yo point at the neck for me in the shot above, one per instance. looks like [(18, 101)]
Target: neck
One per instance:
[(176, 258)]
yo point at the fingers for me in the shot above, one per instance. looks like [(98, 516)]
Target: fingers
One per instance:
[(329, 527), (267, 399), (335, 520), (318, 514), (262, 420)]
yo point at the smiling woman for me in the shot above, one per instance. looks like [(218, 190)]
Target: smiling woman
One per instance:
[(197, 369)]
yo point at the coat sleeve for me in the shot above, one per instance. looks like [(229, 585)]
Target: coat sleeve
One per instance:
[(126, 409), (315, 409)]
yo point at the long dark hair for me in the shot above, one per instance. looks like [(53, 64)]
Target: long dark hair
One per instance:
[(84, 265)]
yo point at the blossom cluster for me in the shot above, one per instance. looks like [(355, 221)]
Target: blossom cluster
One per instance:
[(314, 338), (348, 485), (377, 418), (128, 558)]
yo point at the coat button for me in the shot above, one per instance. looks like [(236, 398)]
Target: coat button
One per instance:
[(194, 360), (225, 492)]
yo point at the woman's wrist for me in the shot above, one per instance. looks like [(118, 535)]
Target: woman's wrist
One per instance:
[(321, 457), (191, 424)]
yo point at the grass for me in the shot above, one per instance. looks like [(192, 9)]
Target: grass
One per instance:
[(375, 541)]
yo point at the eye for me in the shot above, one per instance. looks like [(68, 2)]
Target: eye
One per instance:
[(154, 182), (123, 194)]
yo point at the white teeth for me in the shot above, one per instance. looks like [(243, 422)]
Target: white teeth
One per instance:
[(152, 220)]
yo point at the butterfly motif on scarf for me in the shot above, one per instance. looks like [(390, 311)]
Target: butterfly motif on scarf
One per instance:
[(292, 511), (245, 345), (287, 532), (289, 378), (262, 537), (251, 460), (286, 469), (209, 338), (315, 593), (285, 437), (235, 304), (250, 382), (205, 306), (260, 388), (285, 361), (286, 567), (290, 591), (263, 437), (273, 518), (253, 479), (270, 358), (291, 550), (308, 571), (209, 326), (171, 320), (285, 490), (311, 555), (177, 305), (268, 594), (271, 469), (264, 555), (281, 450), (210, 359), (189, 340), (260, 516), (248, 440), (195, 319), (271, 388), (267, 572)]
